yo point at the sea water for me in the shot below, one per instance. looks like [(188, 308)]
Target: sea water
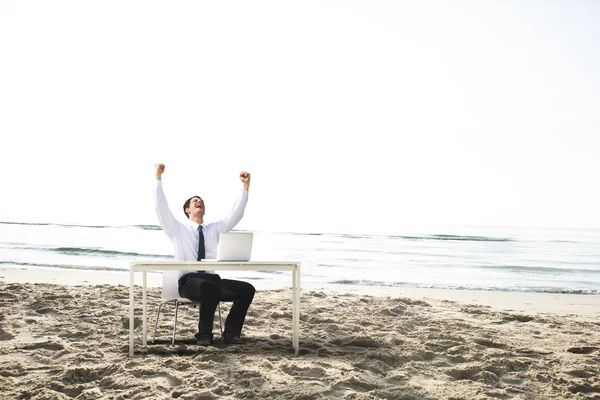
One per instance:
[(485, 258)]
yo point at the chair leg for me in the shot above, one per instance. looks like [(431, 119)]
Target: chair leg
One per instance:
[(220, 319), (156, 323), (175, 323)]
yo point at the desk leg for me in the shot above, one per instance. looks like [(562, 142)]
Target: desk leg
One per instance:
[(131, 318), (296, 309), (145, 301)]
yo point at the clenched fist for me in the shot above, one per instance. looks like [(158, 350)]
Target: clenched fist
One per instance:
[(158, 170), (245, 178)]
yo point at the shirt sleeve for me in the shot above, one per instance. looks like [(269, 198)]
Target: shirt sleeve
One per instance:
[(167, 220), (236, 213)]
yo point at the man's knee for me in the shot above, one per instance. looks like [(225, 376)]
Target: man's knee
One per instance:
[(248, 290)]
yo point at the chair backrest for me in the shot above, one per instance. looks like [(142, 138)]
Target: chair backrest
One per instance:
[(170, 288)]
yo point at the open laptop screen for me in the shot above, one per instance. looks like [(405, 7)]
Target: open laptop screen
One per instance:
[(234, 246)]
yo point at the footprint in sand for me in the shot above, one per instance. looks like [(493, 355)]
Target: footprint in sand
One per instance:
[(137, 322), (477, 310), (464, 373), (411, 302), (525, 352), (518, 317), (304, 372), (5, 335), (390, 359), (45, 311), (276, 315), (63, 297), (358, 341), (332, 328), (257, 313), (87, 374), (354, 384), (443, 344), (376, 367), (70, 390), (582, 350), (72, 334), (7, 296), (164, 379), (44, 345), (488, 377), (11, 368), (80, 375), (489, 343), (584, 388), (320, 319), (579, 373), (392, 312)]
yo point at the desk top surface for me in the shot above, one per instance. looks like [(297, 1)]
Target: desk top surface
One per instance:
[(214, 265)]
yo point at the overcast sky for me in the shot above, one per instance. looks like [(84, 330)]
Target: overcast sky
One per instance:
[(374, 116)]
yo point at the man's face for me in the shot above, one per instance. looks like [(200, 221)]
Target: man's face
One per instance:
[(196, 207)]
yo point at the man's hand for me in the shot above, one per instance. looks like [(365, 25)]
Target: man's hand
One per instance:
[(158, 171), (245, 178)]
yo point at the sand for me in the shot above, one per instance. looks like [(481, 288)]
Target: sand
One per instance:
[(63, 341), (526, 302)]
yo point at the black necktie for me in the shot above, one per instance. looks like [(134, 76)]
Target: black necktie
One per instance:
[(201, 250)]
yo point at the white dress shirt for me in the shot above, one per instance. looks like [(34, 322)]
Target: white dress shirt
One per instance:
[(184, 235)]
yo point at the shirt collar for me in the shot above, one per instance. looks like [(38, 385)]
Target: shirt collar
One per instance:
[(195, 225)]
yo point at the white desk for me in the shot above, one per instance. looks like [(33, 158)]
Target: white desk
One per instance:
[(145, 266)]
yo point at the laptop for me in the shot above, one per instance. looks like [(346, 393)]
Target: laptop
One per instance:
[(234, 246)]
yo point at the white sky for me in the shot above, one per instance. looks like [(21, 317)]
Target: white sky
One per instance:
[(375, 116)]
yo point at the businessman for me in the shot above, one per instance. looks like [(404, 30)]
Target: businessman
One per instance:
[(195, 240)]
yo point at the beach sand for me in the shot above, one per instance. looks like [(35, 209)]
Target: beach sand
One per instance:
[(70, 340)]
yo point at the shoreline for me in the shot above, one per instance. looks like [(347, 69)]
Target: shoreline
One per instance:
[(524, 302)]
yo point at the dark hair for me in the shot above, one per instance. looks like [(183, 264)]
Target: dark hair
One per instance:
[(187, 204)]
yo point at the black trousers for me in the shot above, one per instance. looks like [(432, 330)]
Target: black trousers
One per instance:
[(210, 289)]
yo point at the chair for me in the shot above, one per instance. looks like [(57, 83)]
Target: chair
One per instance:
[(170, 294)]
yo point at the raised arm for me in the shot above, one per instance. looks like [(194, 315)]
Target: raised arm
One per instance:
[(237, 211), (167, 220)]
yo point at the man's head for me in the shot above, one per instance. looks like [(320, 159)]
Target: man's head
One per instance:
[(194, 206)]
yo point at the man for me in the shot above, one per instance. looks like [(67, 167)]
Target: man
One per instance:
[(195, 240)]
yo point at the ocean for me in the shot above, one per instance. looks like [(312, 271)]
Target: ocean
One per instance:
[(481, 258)]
